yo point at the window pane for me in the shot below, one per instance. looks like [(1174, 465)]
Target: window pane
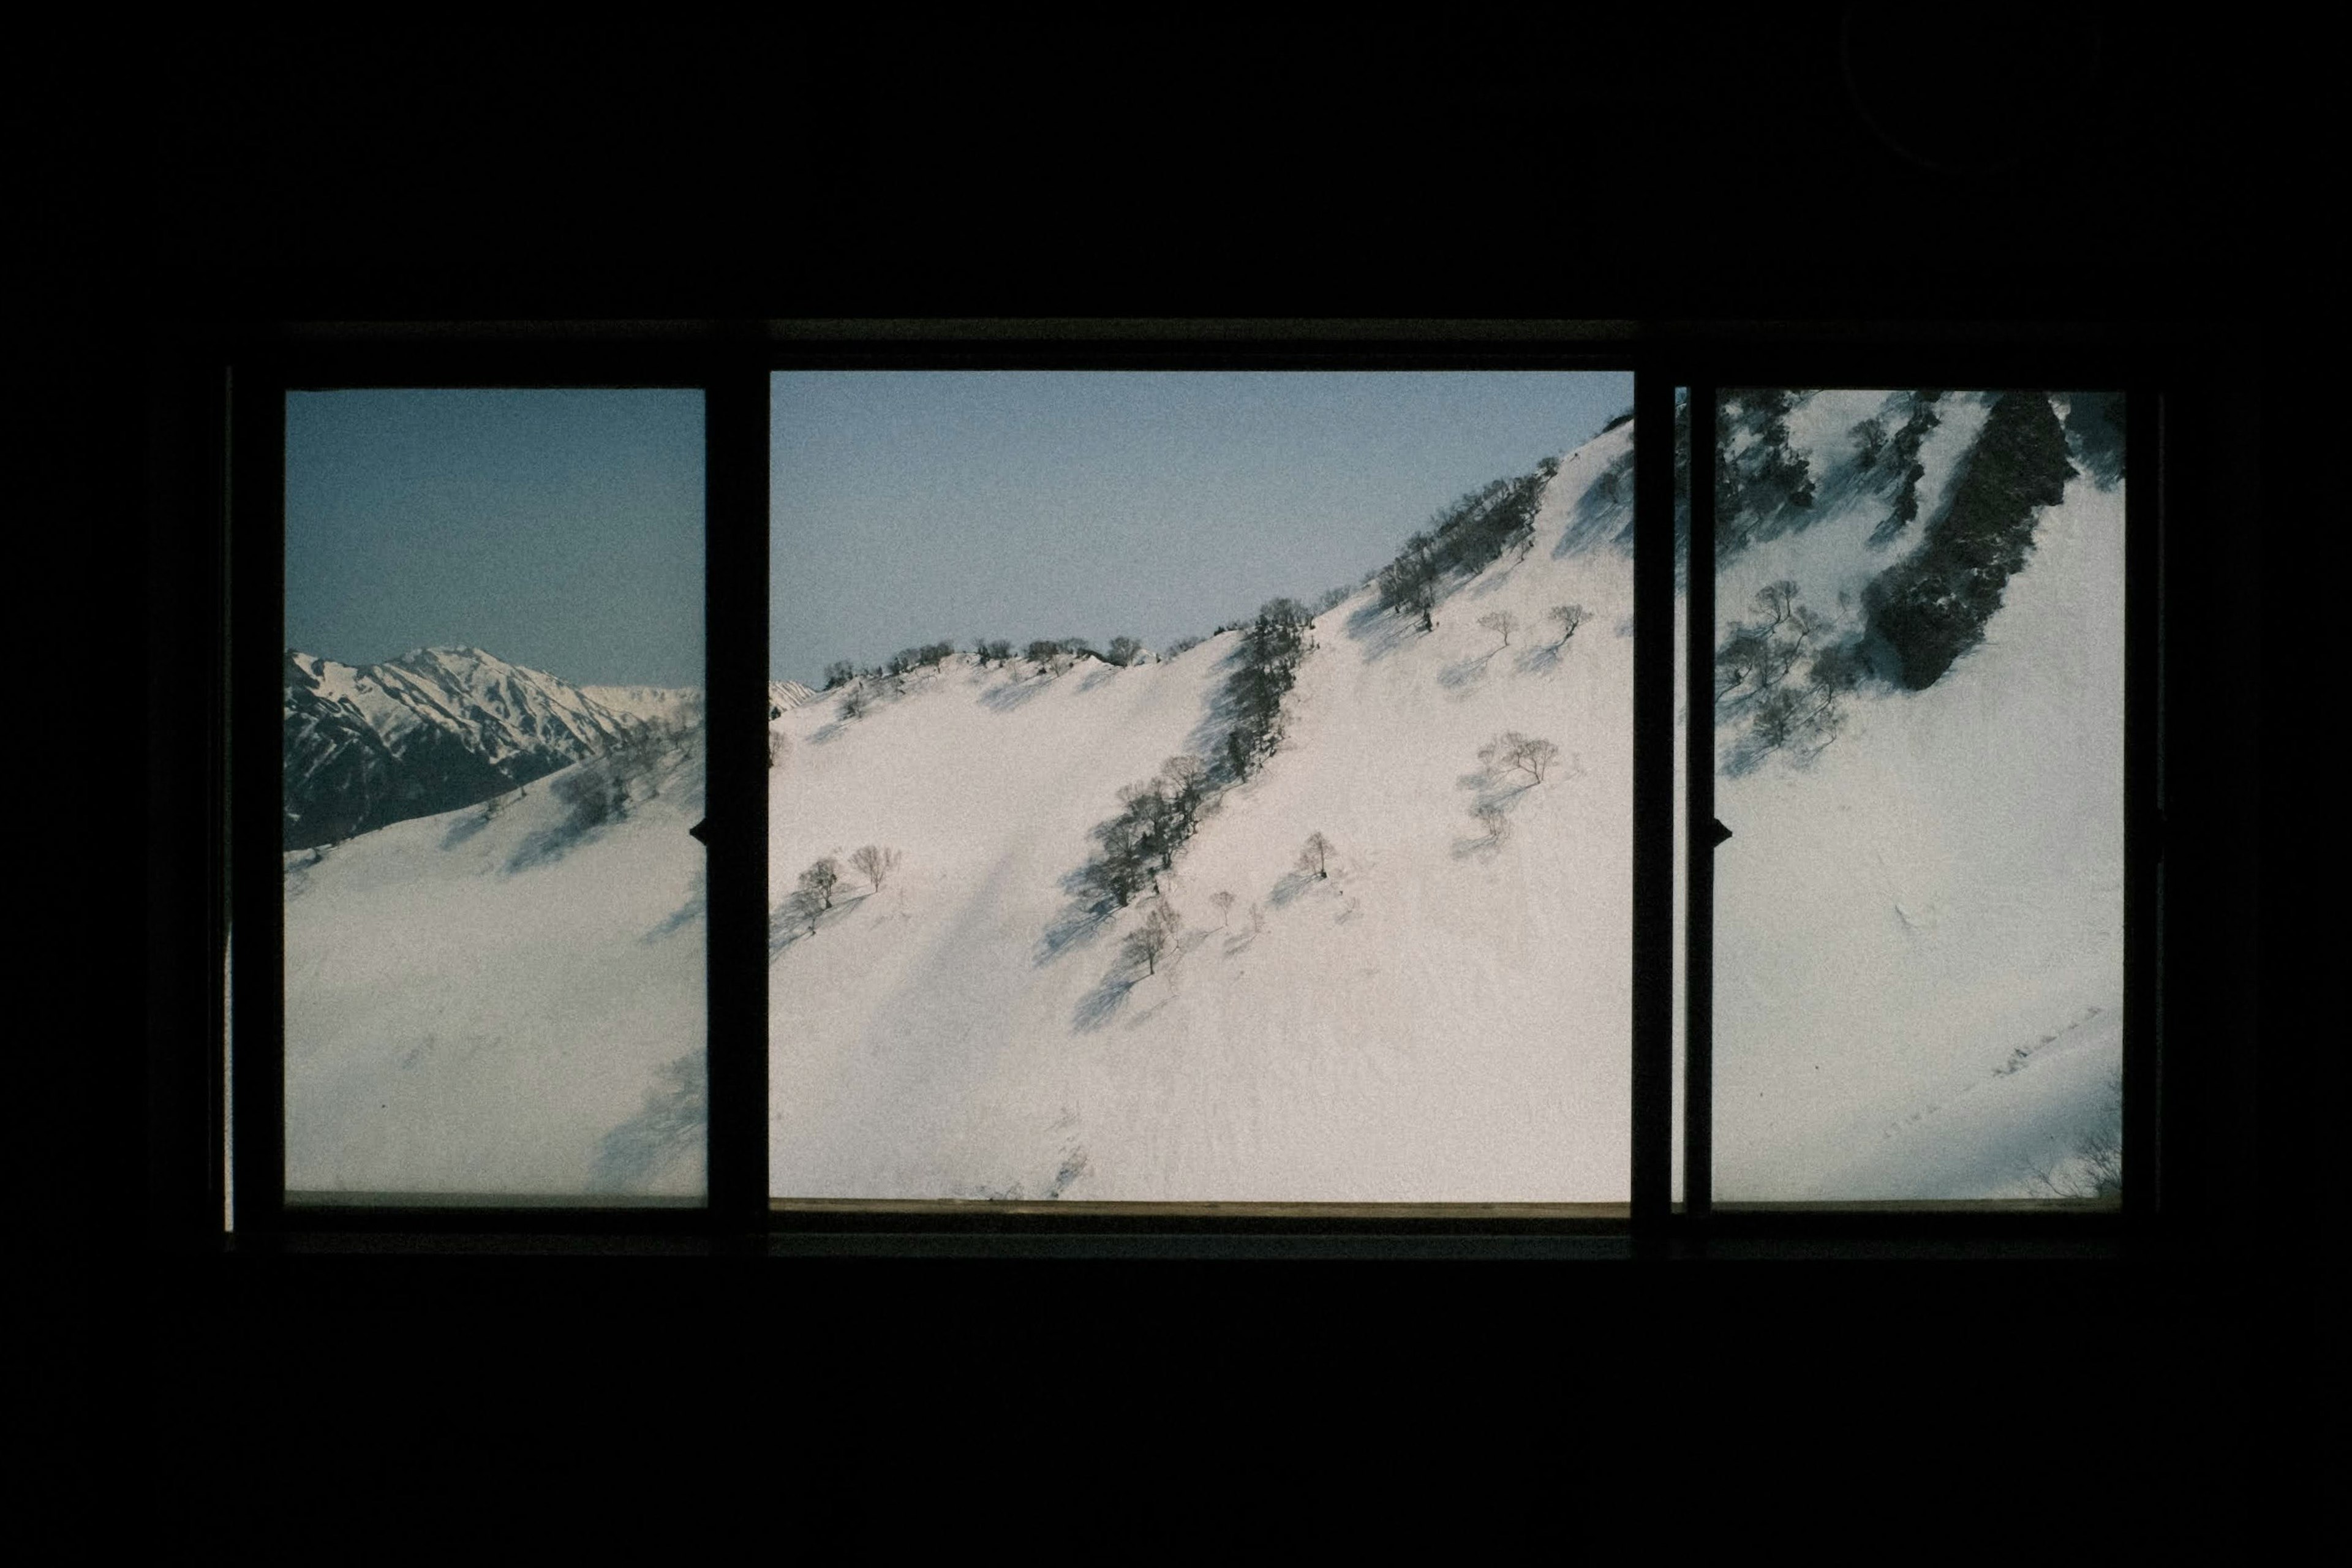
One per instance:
[(494, 912), (1918, 712), (1199, 786)]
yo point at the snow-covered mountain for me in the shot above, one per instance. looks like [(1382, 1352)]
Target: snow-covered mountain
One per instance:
[(1918, 917), (437, 728)]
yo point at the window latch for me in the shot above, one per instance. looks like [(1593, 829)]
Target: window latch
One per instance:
[(1718, 834)]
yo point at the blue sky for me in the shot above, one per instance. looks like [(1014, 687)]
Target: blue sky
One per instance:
[(562, 529), (909, 506)]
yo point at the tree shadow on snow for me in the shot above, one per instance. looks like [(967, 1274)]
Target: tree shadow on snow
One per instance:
[(1296, 885), (550, 845), (670, 1129), (1381, 632), (687, 913), (1098, 1006), (1462, 673), (1079, 924), (464, 828), (1478, 847), (1490, 786), (1014, 693), (1219, 712), (1544, 660), (785, 927), (1494, 576), (1603, 513)]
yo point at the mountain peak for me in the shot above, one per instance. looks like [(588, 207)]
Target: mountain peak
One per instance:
[(436, 729)]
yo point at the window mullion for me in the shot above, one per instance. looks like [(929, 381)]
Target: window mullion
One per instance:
[(1698, 932), (1654, 800), (257, 521), (736, 649), (2143, 803)]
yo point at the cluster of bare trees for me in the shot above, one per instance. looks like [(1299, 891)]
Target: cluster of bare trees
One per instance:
[(1155, 819), (1755, 667), (1461, 539), (1503, 623), (820, 885), (1265, 667), (1153, 942), (1514, 762)]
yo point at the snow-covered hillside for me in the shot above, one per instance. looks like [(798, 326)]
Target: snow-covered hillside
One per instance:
[(1919, 917), (1442, 1016), (1919, 930), (508, 998), (437, 727)]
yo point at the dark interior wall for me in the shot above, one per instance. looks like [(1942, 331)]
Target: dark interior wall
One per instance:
[(1758, 170)]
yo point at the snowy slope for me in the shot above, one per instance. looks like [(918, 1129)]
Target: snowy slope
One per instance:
[(434, 729), (507, 1002), (1918, 923), (1441, 1018), (1918, 933)]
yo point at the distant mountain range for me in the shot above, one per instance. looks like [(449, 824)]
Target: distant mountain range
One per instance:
[(440, 728)]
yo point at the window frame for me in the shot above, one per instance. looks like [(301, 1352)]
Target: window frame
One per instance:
[(733, 370)]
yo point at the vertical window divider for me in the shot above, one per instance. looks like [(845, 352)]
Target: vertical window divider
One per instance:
[(736, 694), (2144, 801), (1654, 804), (257, 521), (1698, 825)]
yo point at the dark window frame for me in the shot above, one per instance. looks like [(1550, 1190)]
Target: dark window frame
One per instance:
[(242, 380)]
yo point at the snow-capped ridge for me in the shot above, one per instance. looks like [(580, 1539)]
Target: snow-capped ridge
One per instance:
[(436, 728)]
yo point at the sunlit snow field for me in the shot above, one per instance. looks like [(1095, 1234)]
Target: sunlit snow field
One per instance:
[(1918, 929)]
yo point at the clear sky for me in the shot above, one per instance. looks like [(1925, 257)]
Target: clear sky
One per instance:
[(913, 507), (560, 529)]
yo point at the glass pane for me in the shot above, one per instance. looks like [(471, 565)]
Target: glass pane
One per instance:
[(1198, 786), (494, 913), (1918, 712)]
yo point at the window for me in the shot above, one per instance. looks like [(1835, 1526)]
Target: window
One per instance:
[(1269, 843), (1916, 672), (737, 397), (494, 915)]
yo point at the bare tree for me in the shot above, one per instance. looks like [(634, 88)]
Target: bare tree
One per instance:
[(819, 881), (874, 863), (1494, 819), (1528, 755), (1224, 902), (1184, 783), (1409, 583), (1316, 857), (1567, 617), (1502, 622), (799, 908), (1152, 940)]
